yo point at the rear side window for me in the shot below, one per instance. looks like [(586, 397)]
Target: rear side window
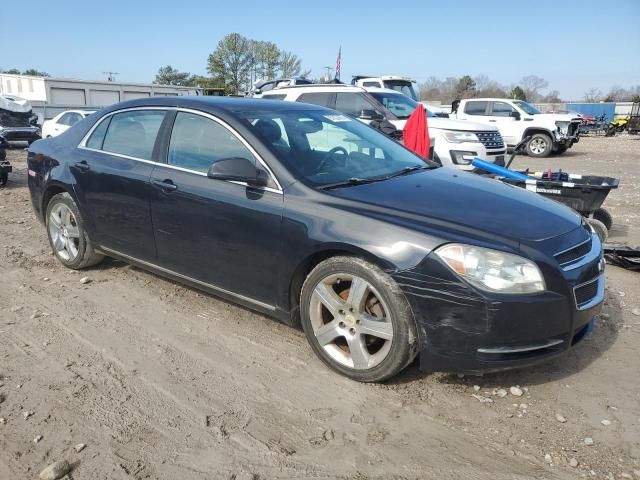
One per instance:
[(317, 98), (273, 96), (352, 103), (197, 142), (475, 108), (133, 133), (97, 137)]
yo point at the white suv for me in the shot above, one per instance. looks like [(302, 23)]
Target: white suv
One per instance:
[(456, 143)]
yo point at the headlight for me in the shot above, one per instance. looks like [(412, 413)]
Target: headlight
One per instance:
[(456, 136), (493, 270)]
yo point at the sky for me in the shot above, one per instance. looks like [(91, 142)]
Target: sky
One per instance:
[(573, 45)]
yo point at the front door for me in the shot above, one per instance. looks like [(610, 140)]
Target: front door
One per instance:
[(504, 115), (224, 234), (112, 181)]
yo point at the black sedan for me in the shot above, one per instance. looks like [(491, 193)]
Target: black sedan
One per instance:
[(316, 219)]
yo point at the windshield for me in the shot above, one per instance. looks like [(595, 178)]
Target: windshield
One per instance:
[(323, 147), (403, 86), (400, 105), (527, 107)]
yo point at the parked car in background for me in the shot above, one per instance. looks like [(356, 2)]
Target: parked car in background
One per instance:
[(267, 85), (63, 121), (456, 143), (400, 84), (517, 119), (17, 121), (379, 254)]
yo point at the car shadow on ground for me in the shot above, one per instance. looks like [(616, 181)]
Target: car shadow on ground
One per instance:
[(604, 335)]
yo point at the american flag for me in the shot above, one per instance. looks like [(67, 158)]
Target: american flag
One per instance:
[(338, 63)]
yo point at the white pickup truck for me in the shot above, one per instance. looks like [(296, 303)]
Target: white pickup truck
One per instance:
[(456, 143), (400, 84), (516, 119)]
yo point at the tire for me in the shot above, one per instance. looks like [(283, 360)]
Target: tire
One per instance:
[(610, 132), (3, 154), (67, 236), (381, 309), (600, 228), (561, 149), (4, 178), (604, 216), (540, 145)]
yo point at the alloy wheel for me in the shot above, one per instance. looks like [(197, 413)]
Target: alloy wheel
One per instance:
[(537, 146), (64, 232), (351, 321)]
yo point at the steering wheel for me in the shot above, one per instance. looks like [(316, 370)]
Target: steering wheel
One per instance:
[(329, 156)]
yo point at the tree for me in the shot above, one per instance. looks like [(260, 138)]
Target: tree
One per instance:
[(532, 85), (593, 95), (230, 63), (552, 97), (35, 73), (290, 64), (13, 71), (466, 88), (518, 93), (171, 76)]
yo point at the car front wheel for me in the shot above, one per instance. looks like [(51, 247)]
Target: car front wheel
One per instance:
[(357, 319), (540, 145), (67, 236)]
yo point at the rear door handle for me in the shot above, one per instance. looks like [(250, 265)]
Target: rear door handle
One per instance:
[(82, 166), (165, 185), (492, 121)]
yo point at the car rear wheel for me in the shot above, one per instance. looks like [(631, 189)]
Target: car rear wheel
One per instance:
[(4, 178), (540, 145), (604, 216), (357, 319), (67, 236)]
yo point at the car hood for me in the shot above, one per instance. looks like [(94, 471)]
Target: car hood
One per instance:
[(464, 202), (450, 124)]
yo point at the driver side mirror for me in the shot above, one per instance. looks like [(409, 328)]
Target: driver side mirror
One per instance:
[(370, 115), (238, 169), (515, 115)]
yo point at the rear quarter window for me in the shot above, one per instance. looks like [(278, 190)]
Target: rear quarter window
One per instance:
[(280, 96), (97, 137), (316, 98), (475, 108)]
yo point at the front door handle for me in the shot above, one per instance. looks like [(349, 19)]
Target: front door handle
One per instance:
[(165, 185), (492, 121), (83, 166)]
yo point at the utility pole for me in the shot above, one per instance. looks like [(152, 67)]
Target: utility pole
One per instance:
[(111, 76)]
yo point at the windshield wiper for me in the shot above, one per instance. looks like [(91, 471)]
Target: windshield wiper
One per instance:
[(407, 170), (359, 181), (348, 183)]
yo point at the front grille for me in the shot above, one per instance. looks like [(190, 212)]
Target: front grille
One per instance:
[(490, 140), (573, 254), (586, 292)]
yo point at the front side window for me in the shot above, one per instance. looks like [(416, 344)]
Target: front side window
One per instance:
[(133, 133), (324, 147), (502, 109), (197, 142), (475, 108)]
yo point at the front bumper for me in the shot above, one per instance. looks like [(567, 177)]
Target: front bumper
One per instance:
[(465, 330), (20, 134)]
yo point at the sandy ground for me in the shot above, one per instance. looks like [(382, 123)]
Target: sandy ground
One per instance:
[(161, 381)]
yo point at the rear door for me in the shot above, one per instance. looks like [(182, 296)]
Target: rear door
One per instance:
[(112, 171), (223, 234)]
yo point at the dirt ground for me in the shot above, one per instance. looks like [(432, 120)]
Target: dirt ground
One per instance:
[(161, 381)]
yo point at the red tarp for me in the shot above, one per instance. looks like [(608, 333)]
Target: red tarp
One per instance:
[(416, 132)]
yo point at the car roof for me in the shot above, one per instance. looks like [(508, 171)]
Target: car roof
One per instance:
[(214, 103), (317, 87)]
